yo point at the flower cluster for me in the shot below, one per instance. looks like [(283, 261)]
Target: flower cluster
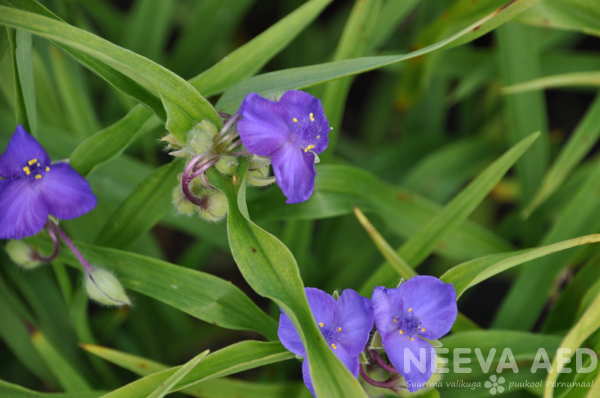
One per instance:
[(421, 309), (34, 194), (287, 134)]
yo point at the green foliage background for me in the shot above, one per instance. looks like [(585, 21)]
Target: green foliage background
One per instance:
[(465, 178)]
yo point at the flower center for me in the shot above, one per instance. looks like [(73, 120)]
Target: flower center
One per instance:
[(408, 324), (331, 333), (35, 169)]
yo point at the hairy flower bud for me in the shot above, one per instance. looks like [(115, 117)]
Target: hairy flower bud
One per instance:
[(260, 177), (199, 141), (256, 162), (180, 202), (22, 254), (103, 287), (227, 165), (214, 205), (209, 127)]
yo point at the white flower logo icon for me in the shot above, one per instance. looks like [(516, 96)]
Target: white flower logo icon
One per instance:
[(494, 385)]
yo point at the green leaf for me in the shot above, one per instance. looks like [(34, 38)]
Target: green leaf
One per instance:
[(150, 200), (338, 188), (68, 377), (395, 261), (168, 385), (250, 58), (233, 359), (529, 293), (24, 61), (580, 143), (565, 80), (587, 324), (424, 242), (271, 270), (577, 15), (15, 391), (110, 142), (216, 388), (297, 78), (469, 274), (153, 77), (20, 107), (117, 79), (4, 44), (353, 43), (198, 294)]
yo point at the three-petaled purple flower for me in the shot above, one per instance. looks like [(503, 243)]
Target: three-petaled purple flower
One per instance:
[(33, 188), (292, 132), (345, 324), (423, 306)]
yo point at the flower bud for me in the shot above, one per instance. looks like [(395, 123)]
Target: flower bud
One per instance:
[(257, 162), (22, 254), (199, 141), (103, 287), (215, 205), (209, 127), (260, 177), (181, 203), (227, 165)]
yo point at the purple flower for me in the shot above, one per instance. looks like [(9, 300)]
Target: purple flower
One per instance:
[(291, 131), (33, 188), (346, 325), (423, 306)]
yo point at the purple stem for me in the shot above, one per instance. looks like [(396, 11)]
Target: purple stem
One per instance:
[(389, 383), (382, 363), (47, 259), (86, 266), (202, 169), (185, 184)]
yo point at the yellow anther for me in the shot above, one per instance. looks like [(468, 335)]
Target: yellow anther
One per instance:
[(312, 118), (32, 161), (411, 339), (37, 177), (422, 330), (334, 347), (396, 319), (47, 168), (339, 329), (26, 170), (308, 148), (321, 324), (401, 332), (318, 136), (295, 120), (410, 310), (38, 165)]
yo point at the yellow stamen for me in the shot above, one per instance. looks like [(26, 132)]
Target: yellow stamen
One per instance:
[(334, 347), (312, 118), (411, 339), (47, 168), (318, 136), (26, 170), (32, 161), (295, 120), (396, 319), (38, 165), (37, 177), (422, 330), (321, 324), (401, 332), (308, 148), (339, 329), (410, 310)]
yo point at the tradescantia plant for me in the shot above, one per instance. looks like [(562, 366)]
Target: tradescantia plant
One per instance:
[(230, 198)]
